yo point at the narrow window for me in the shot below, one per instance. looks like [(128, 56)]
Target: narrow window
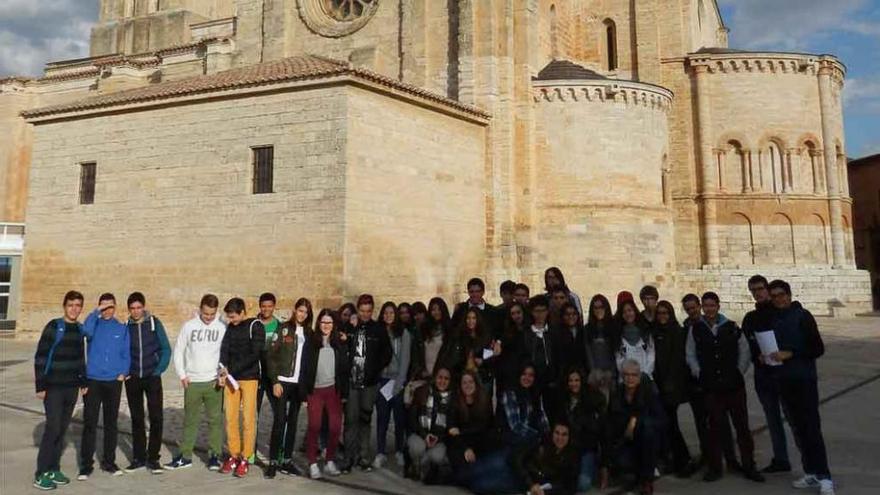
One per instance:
[(611, 44), (263, 169), (87, 183)]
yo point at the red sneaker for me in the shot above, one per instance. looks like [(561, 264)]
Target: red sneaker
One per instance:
[(242, 469), (229, 465)]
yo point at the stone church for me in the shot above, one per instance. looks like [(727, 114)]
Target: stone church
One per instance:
[(322, 148)]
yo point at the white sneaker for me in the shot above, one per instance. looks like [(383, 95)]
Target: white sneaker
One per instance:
[(808, 481), (315, 472), (331, 469), (826, 487), (379, 461), (398, 458)]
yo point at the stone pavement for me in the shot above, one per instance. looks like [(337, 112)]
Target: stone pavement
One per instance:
[(850, 386)]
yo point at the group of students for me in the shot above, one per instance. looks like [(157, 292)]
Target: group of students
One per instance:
[(531, 395)]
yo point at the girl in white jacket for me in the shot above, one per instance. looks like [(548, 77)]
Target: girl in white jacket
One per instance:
[(635, 343)]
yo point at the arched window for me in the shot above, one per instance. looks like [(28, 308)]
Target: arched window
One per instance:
[(610, 44), (775, 167)]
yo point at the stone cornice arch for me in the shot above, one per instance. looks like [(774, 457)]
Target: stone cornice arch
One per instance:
[(603, 91)]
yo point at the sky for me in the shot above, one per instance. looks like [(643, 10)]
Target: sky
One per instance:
[(33, 32)]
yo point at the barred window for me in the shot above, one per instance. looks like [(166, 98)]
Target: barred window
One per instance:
[(87, 183), (263, 169)]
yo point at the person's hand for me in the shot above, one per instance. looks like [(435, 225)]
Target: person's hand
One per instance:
[(106, 304), (41, 395), (536, 490), (221, 380), (343, 337), (603, 478), (430, 440), (84, 390), (631, 428), (353, 320), (496, 347), (277, 390), (185, 382), (121, 378), (478, 361), (781, 356), (470, 456), (454, 432)]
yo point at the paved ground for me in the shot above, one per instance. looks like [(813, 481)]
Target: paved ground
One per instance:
[(850, 386)]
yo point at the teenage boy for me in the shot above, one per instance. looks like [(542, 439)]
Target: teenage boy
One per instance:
[(108, 364), (370, 352), (541, 348), (694, 311), (196, 360), (800, 345), (240, 354), (757, 321), (150, 356), (649, 297), (521, 294), (476, 289), (270, 323), (505, 291), (718, 356), (59, 376)]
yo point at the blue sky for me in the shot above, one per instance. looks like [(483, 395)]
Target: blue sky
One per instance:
[(33, 32)]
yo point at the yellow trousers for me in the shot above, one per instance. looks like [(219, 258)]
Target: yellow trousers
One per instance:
[(245, 400)]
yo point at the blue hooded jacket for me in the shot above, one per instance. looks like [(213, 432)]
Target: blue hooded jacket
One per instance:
[(150, 350), (109, 351)]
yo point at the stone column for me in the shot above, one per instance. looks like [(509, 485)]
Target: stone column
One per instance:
[(814, 165), (838, 249), (744, 169), (751, 169), (709, 182), (786, 172)]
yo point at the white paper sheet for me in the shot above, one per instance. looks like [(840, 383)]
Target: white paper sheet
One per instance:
[(768, 345), (387, 390), (487, 353), (232, 381)]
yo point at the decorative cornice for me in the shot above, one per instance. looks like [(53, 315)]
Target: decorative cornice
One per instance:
[(766, 62), (603, 91)]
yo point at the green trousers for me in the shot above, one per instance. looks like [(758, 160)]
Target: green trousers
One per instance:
[(194, 397)]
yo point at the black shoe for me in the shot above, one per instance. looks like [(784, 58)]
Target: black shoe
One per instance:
[(154, 467), (290, 468), (365, 466), (688, 470), (777, 467), (269, 473), (712, 475), (111, 468), (135, 466), (754, 475)]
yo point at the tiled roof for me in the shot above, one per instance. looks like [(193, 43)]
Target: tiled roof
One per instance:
[(564, 70), (285, 70)]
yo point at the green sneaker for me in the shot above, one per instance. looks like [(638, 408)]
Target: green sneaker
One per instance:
[(43, 482), (58, 477)]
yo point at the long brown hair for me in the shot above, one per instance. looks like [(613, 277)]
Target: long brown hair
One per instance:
[(307, 324), (318, 337), (481, 399), (481, 337)]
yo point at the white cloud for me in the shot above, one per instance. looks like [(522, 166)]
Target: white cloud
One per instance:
[(33, 32), (793, 24), (862, 95)]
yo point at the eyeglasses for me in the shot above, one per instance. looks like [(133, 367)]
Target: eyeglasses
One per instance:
[(326, 323), (632, 375)]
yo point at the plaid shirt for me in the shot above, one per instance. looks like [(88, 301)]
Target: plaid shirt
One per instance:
[(518, 419)]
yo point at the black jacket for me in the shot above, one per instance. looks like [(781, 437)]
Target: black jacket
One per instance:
[(796, 331), (490, 315), (476, 430), (377, 353), (241, 349), (68, 360), (314, 343), (547, 464), (757, 320), (645, 407), (439, 414), (718, 356), (670, 364), (557, 345), (585, 417)]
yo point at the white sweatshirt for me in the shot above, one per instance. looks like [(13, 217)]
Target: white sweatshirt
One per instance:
[(197, 352)]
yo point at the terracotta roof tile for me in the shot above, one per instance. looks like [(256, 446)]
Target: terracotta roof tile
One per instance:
[(279, 71)]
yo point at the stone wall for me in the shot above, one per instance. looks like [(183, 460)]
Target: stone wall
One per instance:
[(415, 207), (174, 214), (601, 212)]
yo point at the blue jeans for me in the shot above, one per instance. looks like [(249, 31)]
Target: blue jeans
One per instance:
[(384, 411), (492, 474), (767, 387), (588, 472)]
